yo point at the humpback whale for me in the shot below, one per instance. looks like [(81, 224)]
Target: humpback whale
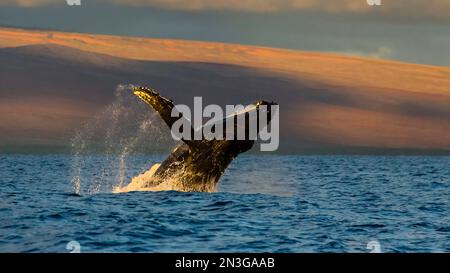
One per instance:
[(195, 165)]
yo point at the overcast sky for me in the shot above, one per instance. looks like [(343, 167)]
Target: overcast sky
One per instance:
[(410, 30)]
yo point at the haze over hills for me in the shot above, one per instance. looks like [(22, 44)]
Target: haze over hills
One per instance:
[(53, 82)]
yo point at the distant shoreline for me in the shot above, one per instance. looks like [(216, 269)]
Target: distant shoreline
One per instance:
[(349, 151)]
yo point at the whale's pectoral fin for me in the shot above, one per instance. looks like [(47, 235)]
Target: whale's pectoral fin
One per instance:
[(161, 105), (164, 108)]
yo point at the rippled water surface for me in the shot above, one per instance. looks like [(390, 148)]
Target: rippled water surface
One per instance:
[(263, 204)]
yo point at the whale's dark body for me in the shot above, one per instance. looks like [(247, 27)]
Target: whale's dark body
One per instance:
[(196, 165)]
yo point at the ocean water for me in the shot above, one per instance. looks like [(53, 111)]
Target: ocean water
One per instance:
[(263, 204)]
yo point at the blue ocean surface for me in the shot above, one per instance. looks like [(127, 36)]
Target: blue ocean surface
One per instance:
[(263, 204)]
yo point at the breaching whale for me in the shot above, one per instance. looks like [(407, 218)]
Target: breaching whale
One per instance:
[(194, 165)]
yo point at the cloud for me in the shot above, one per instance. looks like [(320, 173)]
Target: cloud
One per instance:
[(382, 52), (29, 3), (419, 9)]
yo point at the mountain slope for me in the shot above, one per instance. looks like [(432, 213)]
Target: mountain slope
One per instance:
[(53, 82)]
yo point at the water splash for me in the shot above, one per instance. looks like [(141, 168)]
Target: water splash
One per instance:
[(125, 127), (138, 182), (147, 182)]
